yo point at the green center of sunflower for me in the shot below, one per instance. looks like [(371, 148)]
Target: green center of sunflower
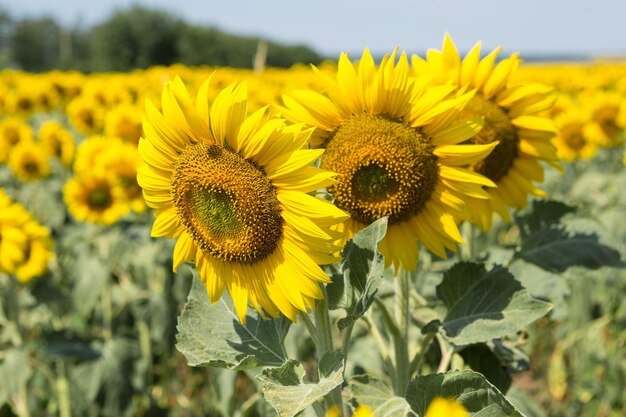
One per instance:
[(227, 204), (99, 198), (498, 127), (385, 167)]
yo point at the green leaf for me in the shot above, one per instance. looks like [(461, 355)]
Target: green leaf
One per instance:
[(556, 249), (481, 359), (370, 391), (485, 305), (14, 372), (211, 335), (544, 213), (478, 396), (286, 391), (362, 269)]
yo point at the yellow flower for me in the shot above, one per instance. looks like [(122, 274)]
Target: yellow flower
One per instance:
[(232, 188), (95, 199), (124, 122), (572, 141), (86, 115), (25, 245), (29, 161), (361, 411), (122, 161), (57, 141), (607, 117), (395, 143), (446, 407), (90, 150), (514, 116), (13, 131)]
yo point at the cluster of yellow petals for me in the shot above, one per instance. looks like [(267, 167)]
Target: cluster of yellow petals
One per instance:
[(25, 244)]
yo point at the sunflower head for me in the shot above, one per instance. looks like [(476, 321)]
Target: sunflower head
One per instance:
[(57, 141), (516, 115), (13, 131), (95, 199), (29, 161), (233, 187), (396, 141)]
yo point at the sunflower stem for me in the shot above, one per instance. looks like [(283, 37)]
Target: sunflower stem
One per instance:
[(63, 390), (325, 344), (402, 285)]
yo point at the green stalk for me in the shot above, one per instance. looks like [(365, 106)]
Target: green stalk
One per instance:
[(63, 390), (402, 286), (468, 248), (325, 340)]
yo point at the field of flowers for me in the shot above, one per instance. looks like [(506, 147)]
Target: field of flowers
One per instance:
[(431, 236)]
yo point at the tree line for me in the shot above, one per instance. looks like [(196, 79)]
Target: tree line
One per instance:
[(136, 37)]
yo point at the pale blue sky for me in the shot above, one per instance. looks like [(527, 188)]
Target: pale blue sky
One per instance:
[(595, 27)]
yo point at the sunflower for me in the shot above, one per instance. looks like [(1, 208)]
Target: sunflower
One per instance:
[(124, 121), (232, 188), (86, 115), (29, 161), (90, 150), (95, 199), (57, 141), (38, 253), (572, 141), (25, 245), (13, 131), (607, 114), (446, 407), (394, 142), (514, 116), (13, 237), (122, 161)]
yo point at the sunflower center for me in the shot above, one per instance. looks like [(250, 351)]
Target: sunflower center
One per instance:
[(574, 139), (99, 198), (497, 127), (31, 167), (227, 204), (386, 168)]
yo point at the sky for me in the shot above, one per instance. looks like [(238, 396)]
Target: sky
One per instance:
[(535, 27)]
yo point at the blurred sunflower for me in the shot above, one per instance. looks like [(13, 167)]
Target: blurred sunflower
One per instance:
[(124, 122), (90, 150), (86, 115), (25, 245), (607, 117), (13, 238), (232, 188), (361, 411), (29, 161), (446, 407), (38, 252), (572, 141), (95, 199), (122, 161), (13, 131), (394, 141), (57, 141), (515, 116)]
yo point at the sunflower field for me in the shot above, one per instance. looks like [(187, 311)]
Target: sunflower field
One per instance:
[(434, 236)]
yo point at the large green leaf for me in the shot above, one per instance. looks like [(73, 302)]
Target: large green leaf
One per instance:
[(481, 359), (485, 305), (369, 391), (478, 396), (556, 249), (544, 213), (286, 391), (211, 335), (356, 283), (14, 371)]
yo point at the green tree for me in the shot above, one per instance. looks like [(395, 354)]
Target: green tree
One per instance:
[(135, 38), (35, 43)]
